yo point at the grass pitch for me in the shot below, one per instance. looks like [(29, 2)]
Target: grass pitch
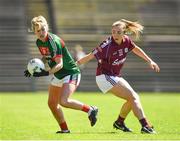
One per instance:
[(25, 116)]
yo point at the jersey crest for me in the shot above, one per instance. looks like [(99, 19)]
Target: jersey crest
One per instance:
[(44, 51)]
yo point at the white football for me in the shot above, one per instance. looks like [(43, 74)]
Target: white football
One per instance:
[(35, 65)]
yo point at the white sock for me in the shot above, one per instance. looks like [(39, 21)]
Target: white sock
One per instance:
[(90, 110)]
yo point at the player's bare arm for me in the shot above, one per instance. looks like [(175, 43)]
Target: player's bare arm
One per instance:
[(57, 67), (139, 52), (85, 59)]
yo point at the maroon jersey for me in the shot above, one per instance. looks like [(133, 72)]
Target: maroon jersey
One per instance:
[(111, 56)]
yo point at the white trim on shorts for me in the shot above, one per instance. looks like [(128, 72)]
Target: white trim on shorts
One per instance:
[(67, 79), (106, 82)]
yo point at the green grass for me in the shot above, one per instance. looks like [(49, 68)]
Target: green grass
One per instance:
[(25, 116)]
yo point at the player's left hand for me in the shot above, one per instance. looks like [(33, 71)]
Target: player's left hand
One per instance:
[(42, 73), (27, 73), (154, 66)]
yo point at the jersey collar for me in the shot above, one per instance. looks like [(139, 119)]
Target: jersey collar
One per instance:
[(123, 40)]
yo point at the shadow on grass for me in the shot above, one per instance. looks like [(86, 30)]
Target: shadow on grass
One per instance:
[(95, 132)]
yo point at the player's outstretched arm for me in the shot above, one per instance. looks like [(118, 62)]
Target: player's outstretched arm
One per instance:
[(85, 59), (139, 52)]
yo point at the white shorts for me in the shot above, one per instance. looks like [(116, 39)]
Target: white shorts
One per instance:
[(74, 78), (106, 82)]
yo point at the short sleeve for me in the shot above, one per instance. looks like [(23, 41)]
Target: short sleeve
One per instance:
[(100, 51), (131, 44), (58, 50), (56, 47)]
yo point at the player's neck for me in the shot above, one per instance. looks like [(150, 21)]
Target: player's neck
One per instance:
[(119, 41), (44, 39)]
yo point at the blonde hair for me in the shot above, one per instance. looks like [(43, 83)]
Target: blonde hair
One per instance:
[(129, 27), (39, 21)]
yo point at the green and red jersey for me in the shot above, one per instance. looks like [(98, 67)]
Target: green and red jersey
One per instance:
[(55, 47)]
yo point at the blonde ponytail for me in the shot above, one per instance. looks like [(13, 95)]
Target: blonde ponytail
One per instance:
[(133, 27), (130, 27)]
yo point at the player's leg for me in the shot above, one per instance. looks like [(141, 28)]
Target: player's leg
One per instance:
[(105, 84), (119, 123), (125, 109), (123, 90), (69, 88), (53, 101)]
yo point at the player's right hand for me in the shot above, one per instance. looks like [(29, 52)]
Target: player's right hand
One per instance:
[(27, 73), (154, 66)]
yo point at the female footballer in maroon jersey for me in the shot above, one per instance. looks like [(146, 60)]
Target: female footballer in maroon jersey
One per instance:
[(111, 55)]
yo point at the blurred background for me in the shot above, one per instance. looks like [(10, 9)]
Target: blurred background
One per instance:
[(85, 23)]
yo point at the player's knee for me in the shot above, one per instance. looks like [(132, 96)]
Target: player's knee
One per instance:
[(134, 97), (52, 105), (64, 102)]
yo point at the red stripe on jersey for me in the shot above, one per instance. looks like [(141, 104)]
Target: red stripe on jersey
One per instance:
[(62, 43), (46, 38), (57, 56)]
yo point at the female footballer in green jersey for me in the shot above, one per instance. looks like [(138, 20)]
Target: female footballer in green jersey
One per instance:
[(66, 74)]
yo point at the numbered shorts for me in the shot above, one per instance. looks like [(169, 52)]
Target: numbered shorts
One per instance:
[(74, 79), (106, 82)]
